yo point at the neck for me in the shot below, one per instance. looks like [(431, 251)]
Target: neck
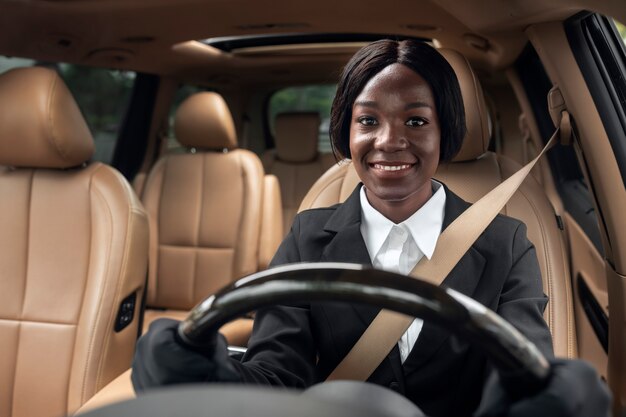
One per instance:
[(399, 210)]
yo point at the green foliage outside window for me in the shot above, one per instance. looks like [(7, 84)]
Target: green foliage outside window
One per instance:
[(103, 96), (622, 30)]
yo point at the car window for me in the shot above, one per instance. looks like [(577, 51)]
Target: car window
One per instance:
[(568, 176), (102, 96), (305, 98), (622, 30)]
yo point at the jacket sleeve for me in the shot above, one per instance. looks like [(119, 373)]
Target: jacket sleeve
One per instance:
[(522, 300), (282, 350), (522, 303)]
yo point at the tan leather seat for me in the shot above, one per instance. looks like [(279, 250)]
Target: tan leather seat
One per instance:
[(73, 248), (214, 215), (474, 172), (296, 160)]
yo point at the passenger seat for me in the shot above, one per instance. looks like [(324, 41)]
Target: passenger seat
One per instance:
[(296, 160), (214, 215), (73, 253)]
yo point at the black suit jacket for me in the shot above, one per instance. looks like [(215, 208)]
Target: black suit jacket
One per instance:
[(297, 346)]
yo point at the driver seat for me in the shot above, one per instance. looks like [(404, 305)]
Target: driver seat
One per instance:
[(473, 173)]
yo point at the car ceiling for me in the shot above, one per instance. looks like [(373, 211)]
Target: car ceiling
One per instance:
[(160, 36)]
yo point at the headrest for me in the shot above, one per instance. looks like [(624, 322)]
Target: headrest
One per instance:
[(204, 121), (476, 140), (296, 135), (40, 123)]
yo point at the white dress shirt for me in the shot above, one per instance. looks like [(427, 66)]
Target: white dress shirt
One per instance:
[(399, 247)]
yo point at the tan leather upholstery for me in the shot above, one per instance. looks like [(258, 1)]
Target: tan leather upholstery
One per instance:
[(202, 113), (271, 222), (74, 244), (43, 131), (473, 179), (476, 110), (296, 136), (205, 212), (118, 390), (296, 161)]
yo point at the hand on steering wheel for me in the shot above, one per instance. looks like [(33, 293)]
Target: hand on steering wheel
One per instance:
[(160, 359)]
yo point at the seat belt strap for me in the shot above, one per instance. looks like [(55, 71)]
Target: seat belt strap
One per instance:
[(388, 326)]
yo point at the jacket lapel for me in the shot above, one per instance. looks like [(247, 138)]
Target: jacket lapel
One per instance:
[(348, 245), (463, 278)]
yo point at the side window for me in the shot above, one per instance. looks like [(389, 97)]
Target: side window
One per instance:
[(568, 176), (183, 92), (102, 96), (7, 63), (305, 98), (622, 30)]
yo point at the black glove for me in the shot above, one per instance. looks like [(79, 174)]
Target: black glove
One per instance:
[(574, 390), (161, 359)]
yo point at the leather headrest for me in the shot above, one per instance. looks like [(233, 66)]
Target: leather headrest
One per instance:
[(41, 125), (476, 140), (204, 121), (296, 136)]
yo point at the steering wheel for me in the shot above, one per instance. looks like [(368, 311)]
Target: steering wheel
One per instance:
[(509, 351)]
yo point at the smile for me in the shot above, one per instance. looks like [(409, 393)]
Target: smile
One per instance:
[(391, 167)]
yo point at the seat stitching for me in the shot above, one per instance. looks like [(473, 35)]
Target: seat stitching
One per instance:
[(52, 323), (19, 328), (244, 215), (100, 304), (119, 282), (51, 136), (199, 223), (549, 266)]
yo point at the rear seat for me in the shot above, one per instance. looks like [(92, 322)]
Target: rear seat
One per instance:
[(296, 160), (214, 215)]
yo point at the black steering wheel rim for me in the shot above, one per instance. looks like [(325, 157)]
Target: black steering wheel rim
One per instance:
[(509, 351)]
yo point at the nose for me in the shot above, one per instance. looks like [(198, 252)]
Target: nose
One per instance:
[(391, 139)]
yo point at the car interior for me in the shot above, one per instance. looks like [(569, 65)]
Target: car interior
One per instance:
[(153, 152)]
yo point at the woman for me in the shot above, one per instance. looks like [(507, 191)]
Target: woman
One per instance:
[(397, 114)]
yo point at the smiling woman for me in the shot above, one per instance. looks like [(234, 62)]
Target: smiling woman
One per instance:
[(397, 113), (394, 141)]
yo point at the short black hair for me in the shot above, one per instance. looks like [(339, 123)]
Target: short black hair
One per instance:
[(425, 61)]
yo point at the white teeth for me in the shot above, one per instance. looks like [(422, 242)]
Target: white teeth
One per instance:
[(391, 167)]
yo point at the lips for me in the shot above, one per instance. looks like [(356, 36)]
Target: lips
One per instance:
[(399, 167), (390, 167)]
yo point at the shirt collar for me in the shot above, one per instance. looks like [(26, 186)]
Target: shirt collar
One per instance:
[(374, 226), (424, 225)]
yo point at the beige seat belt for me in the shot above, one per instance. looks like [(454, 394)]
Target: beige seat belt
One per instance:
[(388, 326)]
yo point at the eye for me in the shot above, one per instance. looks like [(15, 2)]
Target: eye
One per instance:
[(367, 121), (416, 122)]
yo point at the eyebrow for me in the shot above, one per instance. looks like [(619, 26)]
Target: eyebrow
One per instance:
[(373, 104), (416, 105)]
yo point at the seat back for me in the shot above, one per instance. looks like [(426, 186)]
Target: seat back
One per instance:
[(74, 247), (296, 160), (474, 172), (209, 210)]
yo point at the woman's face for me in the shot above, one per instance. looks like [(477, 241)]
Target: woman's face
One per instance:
[(394, 141)]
